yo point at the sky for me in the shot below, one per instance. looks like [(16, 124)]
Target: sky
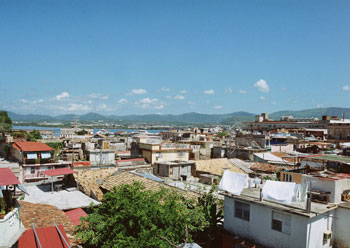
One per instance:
[(173, 57)]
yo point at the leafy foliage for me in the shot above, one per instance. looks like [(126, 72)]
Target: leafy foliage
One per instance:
[(33, 135), (55, 145), (222, 134), (5, 121), (133, 217), (214, 214), (82, 132)]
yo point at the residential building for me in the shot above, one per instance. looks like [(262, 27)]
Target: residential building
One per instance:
[(160, 152), (34, 158), (11, 227), (273, 224), (175, 169)]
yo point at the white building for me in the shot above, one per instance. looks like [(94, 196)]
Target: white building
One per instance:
[(98, 157), (273, 224)]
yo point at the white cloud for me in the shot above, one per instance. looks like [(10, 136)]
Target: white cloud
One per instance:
[(137, 92), (102, 106), (274, 102), (77, 107), (284, 89), (23, 100), (123, 101), (242, 92), (169, 97), (150, 103), (183, 92), (179, 97), (262, 86), (218, 107), (262, 98), (229, 90), (209, 92), (346, 87), (62, 96), (98, 96), (165, 89), (159, 107), (148, 100), (38, 101), (319, 105)]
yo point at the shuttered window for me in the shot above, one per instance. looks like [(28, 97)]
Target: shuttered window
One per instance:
[(281, 222)]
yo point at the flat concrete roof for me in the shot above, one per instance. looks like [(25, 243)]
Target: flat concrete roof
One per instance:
[(252, 195), (63, 199)]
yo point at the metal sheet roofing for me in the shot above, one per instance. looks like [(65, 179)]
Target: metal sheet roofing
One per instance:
[(30, 146), (59, 172), (7, 177), (48, 237), (75, 215)]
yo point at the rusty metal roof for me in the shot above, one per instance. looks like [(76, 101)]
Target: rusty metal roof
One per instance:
[(48, 237), (7, 177), (30, 146), (59, 172)]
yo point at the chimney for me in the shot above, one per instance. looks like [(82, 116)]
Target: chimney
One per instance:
[(260, 195), (343, 116)]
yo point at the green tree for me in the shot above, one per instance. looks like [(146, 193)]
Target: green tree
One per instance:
[(212, 208), (133, 217), (5, 121), (222, 134), (82, 132), (33, 135)]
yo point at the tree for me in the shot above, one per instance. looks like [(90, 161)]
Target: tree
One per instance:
[(82, 132), (5, 121), (33, 135), (133, 217), (214, 215), (222, 134)]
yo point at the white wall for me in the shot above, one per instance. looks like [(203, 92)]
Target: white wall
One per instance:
[(305, 232), (11, 228), (342, 227), (316, 227)]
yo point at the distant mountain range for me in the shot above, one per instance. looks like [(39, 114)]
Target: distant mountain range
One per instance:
[(183, 118)]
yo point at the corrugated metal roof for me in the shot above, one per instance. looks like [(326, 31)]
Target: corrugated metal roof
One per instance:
[(30, 146), (59, 172), (48, 236), (7, 177), (75, 215)]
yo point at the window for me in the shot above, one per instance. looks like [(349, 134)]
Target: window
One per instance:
[(181, 154), (281, 222), (32, 170), (242, 210)]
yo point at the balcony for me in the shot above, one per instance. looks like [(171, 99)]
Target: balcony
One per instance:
[(38, 161), (11, 227)]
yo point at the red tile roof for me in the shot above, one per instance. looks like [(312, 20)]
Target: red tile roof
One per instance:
[(7, 177), (30, 146), (48, 237), (75, 215), (59, 172)]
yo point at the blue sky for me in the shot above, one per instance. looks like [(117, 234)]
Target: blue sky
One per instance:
[(140, 57)]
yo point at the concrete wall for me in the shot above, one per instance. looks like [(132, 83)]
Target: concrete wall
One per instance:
[(107, 157), (342, 227), (316, 228), (11, 228), (167, 156), (304, 232), (282, 148), (335, 187)]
